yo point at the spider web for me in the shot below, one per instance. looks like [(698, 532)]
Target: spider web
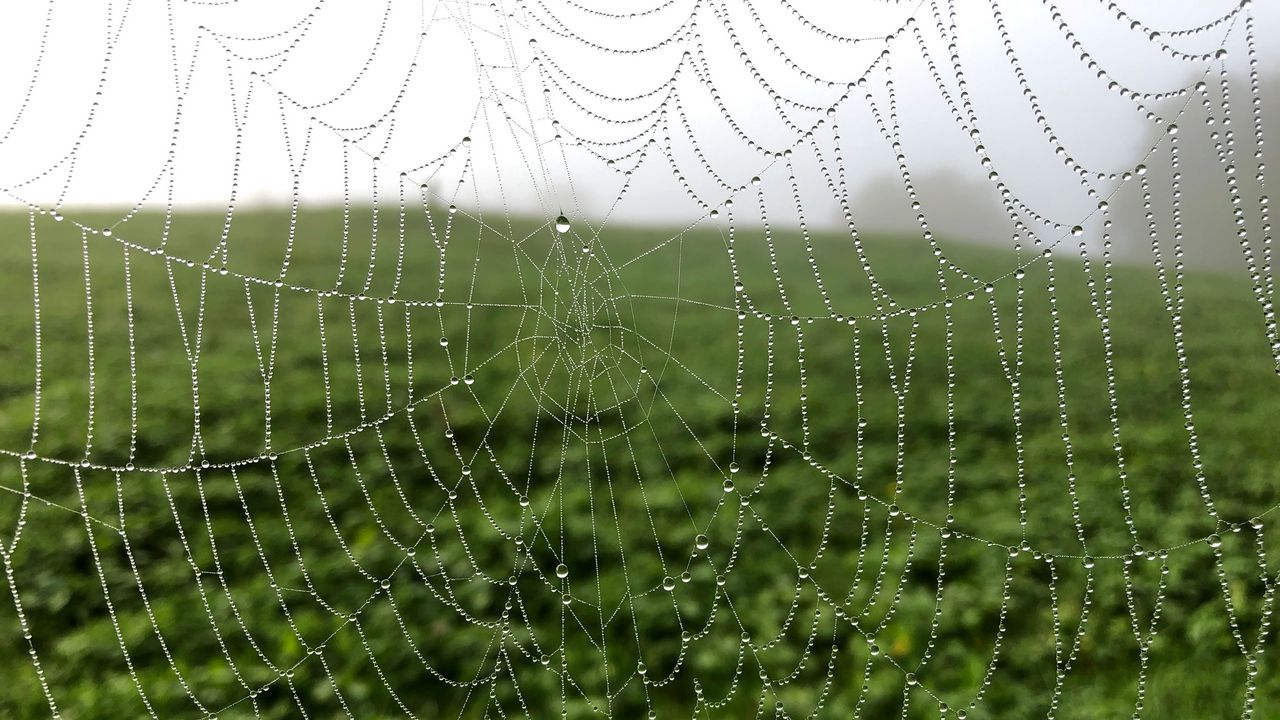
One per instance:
[(567, 462)]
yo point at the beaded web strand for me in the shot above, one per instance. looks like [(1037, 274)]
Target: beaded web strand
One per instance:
[(461, 434)]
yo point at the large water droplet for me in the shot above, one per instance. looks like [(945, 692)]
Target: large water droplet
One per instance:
[(562, 224), (562, 571), (701, 542)]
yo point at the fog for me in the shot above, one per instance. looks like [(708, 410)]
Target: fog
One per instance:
[(152, 104)]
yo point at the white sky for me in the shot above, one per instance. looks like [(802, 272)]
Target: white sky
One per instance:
[(92, 90)]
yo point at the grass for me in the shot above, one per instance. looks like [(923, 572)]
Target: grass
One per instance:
[(598, 428)]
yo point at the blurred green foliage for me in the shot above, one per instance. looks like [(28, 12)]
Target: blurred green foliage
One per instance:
[(220, 580)]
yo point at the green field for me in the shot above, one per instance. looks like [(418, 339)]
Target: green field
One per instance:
[(593, 419)]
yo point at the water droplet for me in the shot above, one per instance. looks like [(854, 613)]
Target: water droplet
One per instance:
[(668, 583), (562, 571), (755, 180), (733, 467), (1077, 231), (701, 542), (562, 224), (1214, 541)]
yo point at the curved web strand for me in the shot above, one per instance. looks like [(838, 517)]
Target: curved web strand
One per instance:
[(525, 359)]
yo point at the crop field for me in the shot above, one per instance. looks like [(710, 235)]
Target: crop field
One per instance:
[(381, 465)]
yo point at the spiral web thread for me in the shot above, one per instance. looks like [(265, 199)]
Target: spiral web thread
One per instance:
[(479, 526)]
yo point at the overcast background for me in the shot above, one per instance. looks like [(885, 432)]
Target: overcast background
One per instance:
[(260, 102)]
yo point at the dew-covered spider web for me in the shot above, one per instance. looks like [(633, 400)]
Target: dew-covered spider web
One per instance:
[(541, 358)]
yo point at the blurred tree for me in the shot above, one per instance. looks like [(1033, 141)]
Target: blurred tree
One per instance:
[(1208, 226), (968, 207)]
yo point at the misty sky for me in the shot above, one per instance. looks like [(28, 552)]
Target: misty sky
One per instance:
[(274, 99)]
